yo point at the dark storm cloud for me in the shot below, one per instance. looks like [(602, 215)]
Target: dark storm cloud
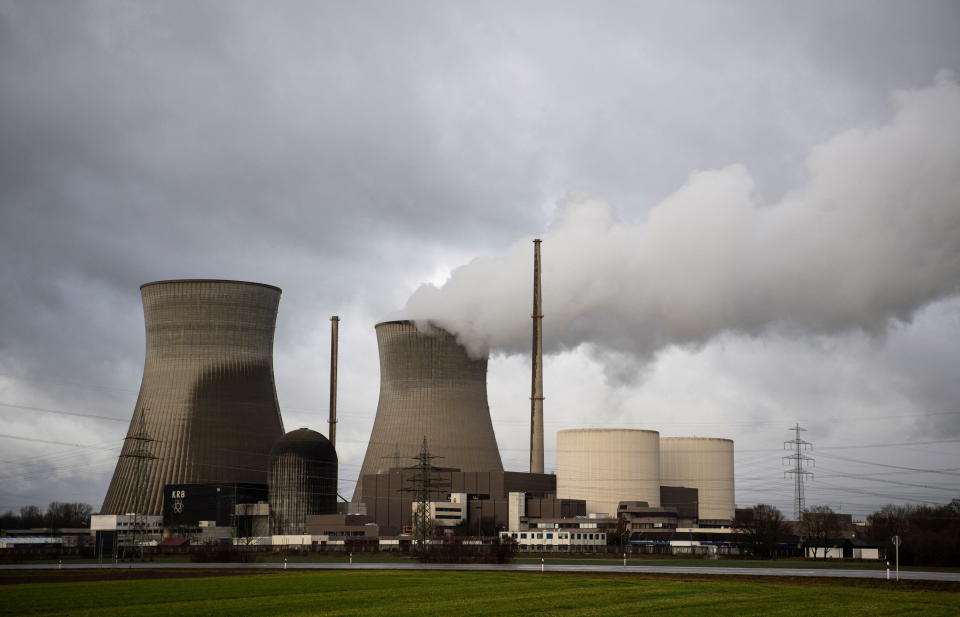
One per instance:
[(349, 152)]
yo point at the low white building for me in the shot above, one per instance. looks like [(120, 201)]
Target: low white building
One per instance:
[(23, 541), (446, 513), (127, 529), (557, 540), (297, 540)]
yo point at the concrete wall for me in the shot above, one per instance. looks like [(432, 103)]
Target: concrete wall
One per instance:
[(607, 466), (703, 463)]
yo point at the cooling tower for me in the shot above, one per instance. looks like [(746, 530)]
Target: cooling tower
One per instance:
[(429, 388), (703, 463), (303, 480), (207, 401), (607, 466)]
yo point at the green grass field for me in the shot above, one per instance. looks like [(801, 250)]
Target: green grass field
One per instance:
[(460, 594)]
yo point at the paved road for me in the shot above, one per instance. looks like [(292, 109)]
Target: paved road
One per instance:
[(722, 571)]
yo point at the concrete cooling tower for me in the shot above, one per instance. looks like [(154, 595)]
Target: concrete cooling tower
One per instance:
[(703, 463), (429, 387), (207, 409), (607, 466)]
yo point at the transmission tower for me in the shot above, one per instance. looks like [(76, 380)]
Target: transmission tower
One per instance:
[(139, 452), (799, 461), (422, 484), (396, 457)]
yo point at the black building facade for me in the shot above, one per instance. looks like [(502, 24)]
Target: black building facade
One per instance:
[(185, 505)]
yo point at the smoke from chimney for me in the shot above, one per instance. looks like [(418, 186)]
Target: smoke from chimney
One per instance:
[(873, 236)]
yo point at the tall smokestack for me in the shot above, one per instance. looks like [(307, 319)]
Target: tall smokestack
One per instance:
[(536, 394), (334, 335)]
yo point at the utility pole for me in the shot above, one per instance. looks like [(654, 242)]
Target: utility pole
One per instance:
[(799, 460), (139, 452), (422, 485)]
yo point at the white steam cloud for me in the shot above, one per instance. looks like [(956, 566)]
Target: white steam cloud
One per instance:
[(872, 237)]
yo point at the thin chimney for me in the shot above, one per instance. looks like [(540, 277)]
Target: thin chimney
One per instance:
[(334, 335), (536, 395)]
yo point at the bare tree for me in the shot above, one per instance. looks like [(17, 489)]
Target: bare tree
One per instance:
[(67, 514), (761, 528), (819, 524)]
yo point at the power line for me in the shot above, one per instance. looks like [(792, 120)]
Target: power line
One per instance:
[(65, 413)]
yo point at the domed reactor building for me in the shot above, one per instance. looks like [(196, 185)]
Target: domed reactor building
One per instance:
[(429, 388), (207, 410), (303, 480)]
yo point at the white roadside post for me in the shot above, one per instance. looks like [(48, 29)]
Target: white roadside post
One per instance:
[(888, 570), (541, 564), (896, 544), (624, 559), (351, 558)]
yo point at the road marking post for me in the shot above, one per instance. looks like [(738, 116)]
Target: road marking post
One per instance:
[(896, 544), (541, 564)]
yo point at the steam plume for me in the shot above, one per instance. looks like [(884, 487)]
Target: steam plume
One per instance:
[(873, 236)]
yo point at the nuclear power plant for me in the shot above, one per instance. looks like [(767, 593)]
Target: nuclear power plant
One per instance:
[(303, 480), (430, 388), (703, 463), (607, 466), (207, 410), (206, 459)]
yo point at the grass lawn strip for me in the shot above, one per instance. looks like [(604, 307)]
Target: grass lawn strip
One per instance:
[(463, 594)]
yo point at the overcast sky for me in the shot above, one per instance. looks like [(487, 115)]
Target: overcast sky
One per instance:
[(750, 213)]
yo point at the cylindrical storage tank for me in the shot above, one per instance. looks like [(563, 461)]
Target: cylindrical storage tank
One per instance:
[(430, 388), (207, 410), (607, 466), (303, 480), (703, 463)]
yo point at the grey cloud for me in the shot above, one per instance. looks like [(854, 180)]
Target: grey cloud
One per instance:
[(347, 152)]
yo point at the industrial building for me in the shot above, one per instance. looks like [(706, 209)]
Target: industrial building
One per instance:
[(389, 501), (607, 466), (207, 410), (186, 505), (114, 531), (206, 447), (706, 464), (430, 388)]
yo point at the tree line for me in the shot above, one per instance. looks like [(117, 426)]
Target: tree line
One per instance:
[(58, 514), (929, 535)]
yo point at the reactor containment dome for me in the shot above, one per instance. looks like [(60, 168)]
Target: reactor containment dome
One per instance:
[(303, 480), (703, 463), (207, 410), (607, 466)]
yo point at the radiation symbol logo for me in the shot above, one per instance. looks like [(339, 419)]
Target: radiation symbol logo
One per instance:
[(178, 506)]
